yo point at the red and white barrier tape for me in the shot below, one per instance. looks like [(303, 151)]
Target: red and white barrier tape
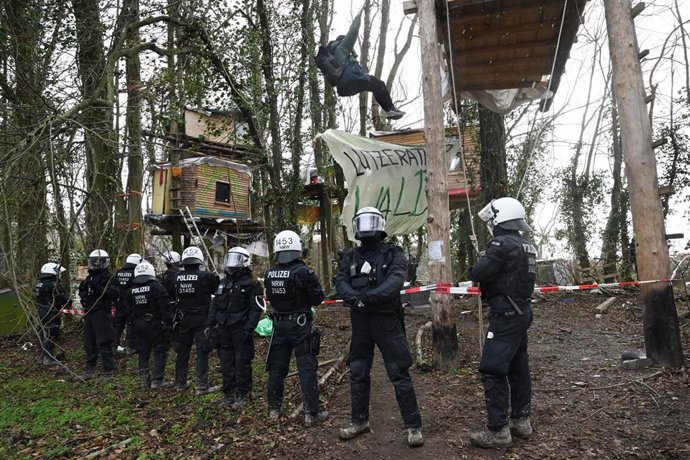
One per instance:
[(446, 288)]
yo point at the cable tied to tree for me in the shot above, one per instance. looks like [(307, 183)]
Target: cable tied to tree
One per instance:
[(532, 141)]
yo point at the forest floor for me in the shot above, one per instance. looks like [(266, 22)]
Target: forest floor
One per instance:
[(585, 404)]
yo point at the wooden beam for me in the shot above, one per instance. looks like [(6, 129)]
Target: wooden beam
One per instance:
[(485, 31), (494, 11), (526, 49), (643, 54), (659, 142), (507, 70), (445, 335), (667, 190), (409, 7), (649, 98)]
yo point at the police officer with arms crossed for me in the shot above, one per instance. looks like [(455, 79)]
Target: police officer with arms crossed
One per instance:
[(235, 311), (193, 290), (369, 281), (292, 289), (123, 278), (50, 299), (172, 264), (150, 314), (506, 274), (98, 295)]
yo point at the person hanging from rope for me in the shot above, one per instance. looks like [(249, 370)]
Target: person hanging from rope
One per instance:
[(338, 63)]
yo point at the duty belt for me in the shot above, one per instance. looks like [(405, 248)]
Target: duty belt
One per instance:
[(299, 317)]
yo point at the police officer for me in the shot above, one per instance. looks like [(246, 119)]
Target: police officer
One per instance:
[(50, 299), (123, 278), (172, 264), (193, 290), (98, 295), (235, 311), (506, 274), (369, 281), (150, 313), (292, 289)]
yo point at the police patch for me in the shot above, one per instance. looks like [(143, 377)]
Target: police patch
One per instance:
[(497, 243)]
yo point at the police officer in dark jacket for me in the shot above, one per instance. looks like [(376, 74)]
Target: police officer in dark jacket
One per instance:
[(292, 289), (506, 274), (50, 299), (235, 311), (172, 268), (193, 290), (98, 295), (123, 278), (369, 281), (150, 313)]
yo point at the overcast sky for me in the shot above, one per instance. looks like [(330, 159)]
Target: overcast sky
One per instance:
[(653, 26)]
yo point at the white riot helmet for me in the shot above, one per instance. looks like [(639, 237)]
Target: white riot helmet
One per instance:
[(144, 272), (287, 246), (133, 259), (171, 257), (98, 260), (51, 269), (235, 259), (506, 213), (368, 222), (192, 256)]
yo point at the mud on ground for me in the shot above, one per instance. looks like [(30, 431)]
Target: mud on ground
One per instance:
[(585, 405)]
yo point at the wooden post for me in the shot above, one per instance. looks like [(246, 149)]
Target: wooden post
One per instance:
[(445, 339), (661, 331)]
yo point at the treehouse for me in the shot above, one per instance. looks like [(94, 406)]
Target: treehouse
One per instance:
[(461, 185), (503, 53), (212, 179)]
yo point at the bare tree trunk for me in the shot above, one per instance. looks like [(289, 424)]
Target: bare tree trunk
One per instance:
[(493, 166), (445, 339), (24, 184), (102, 171), (135, 162), (661, 328)]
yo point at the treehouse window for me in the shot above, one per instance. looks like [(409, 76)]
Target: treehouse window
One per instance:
[(223, 192)]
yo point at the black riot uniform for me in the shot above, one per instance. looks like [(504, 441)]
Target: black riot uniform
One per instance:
[(98, 296), (236, 313), (169, 278), (369, 280), (506, 273), (123, 280), (193, 290), (50, 299), (150, 314), (292, 289)]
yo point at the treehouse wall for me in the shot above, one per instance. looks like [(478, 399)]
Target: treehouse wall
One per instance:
[(208, 190)]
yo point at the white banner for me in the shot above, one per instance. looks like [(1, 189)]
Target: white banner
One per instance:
[(389, 177)]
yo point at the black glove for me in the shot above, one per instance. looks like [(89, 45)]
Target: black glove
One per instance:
[(358, 304)]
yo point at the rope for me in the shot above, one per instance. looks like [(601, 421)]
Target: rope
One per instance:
[(548, 89), (461, 132)]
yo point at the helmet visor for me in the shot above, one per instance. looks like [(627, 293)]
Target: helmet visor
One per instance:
[(97, 263), (368, 222), (285, 257), (488, 213), (235, 259)]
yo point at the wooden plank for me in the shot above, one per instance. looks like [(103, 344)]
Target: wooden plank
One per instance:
[(605, 305), (527, 49), (510, 68), (547, 10), (484, 30), (637, 9)]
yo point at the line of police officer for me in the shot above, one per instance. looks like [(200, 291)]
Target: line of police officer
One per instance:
[(369, 280)]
